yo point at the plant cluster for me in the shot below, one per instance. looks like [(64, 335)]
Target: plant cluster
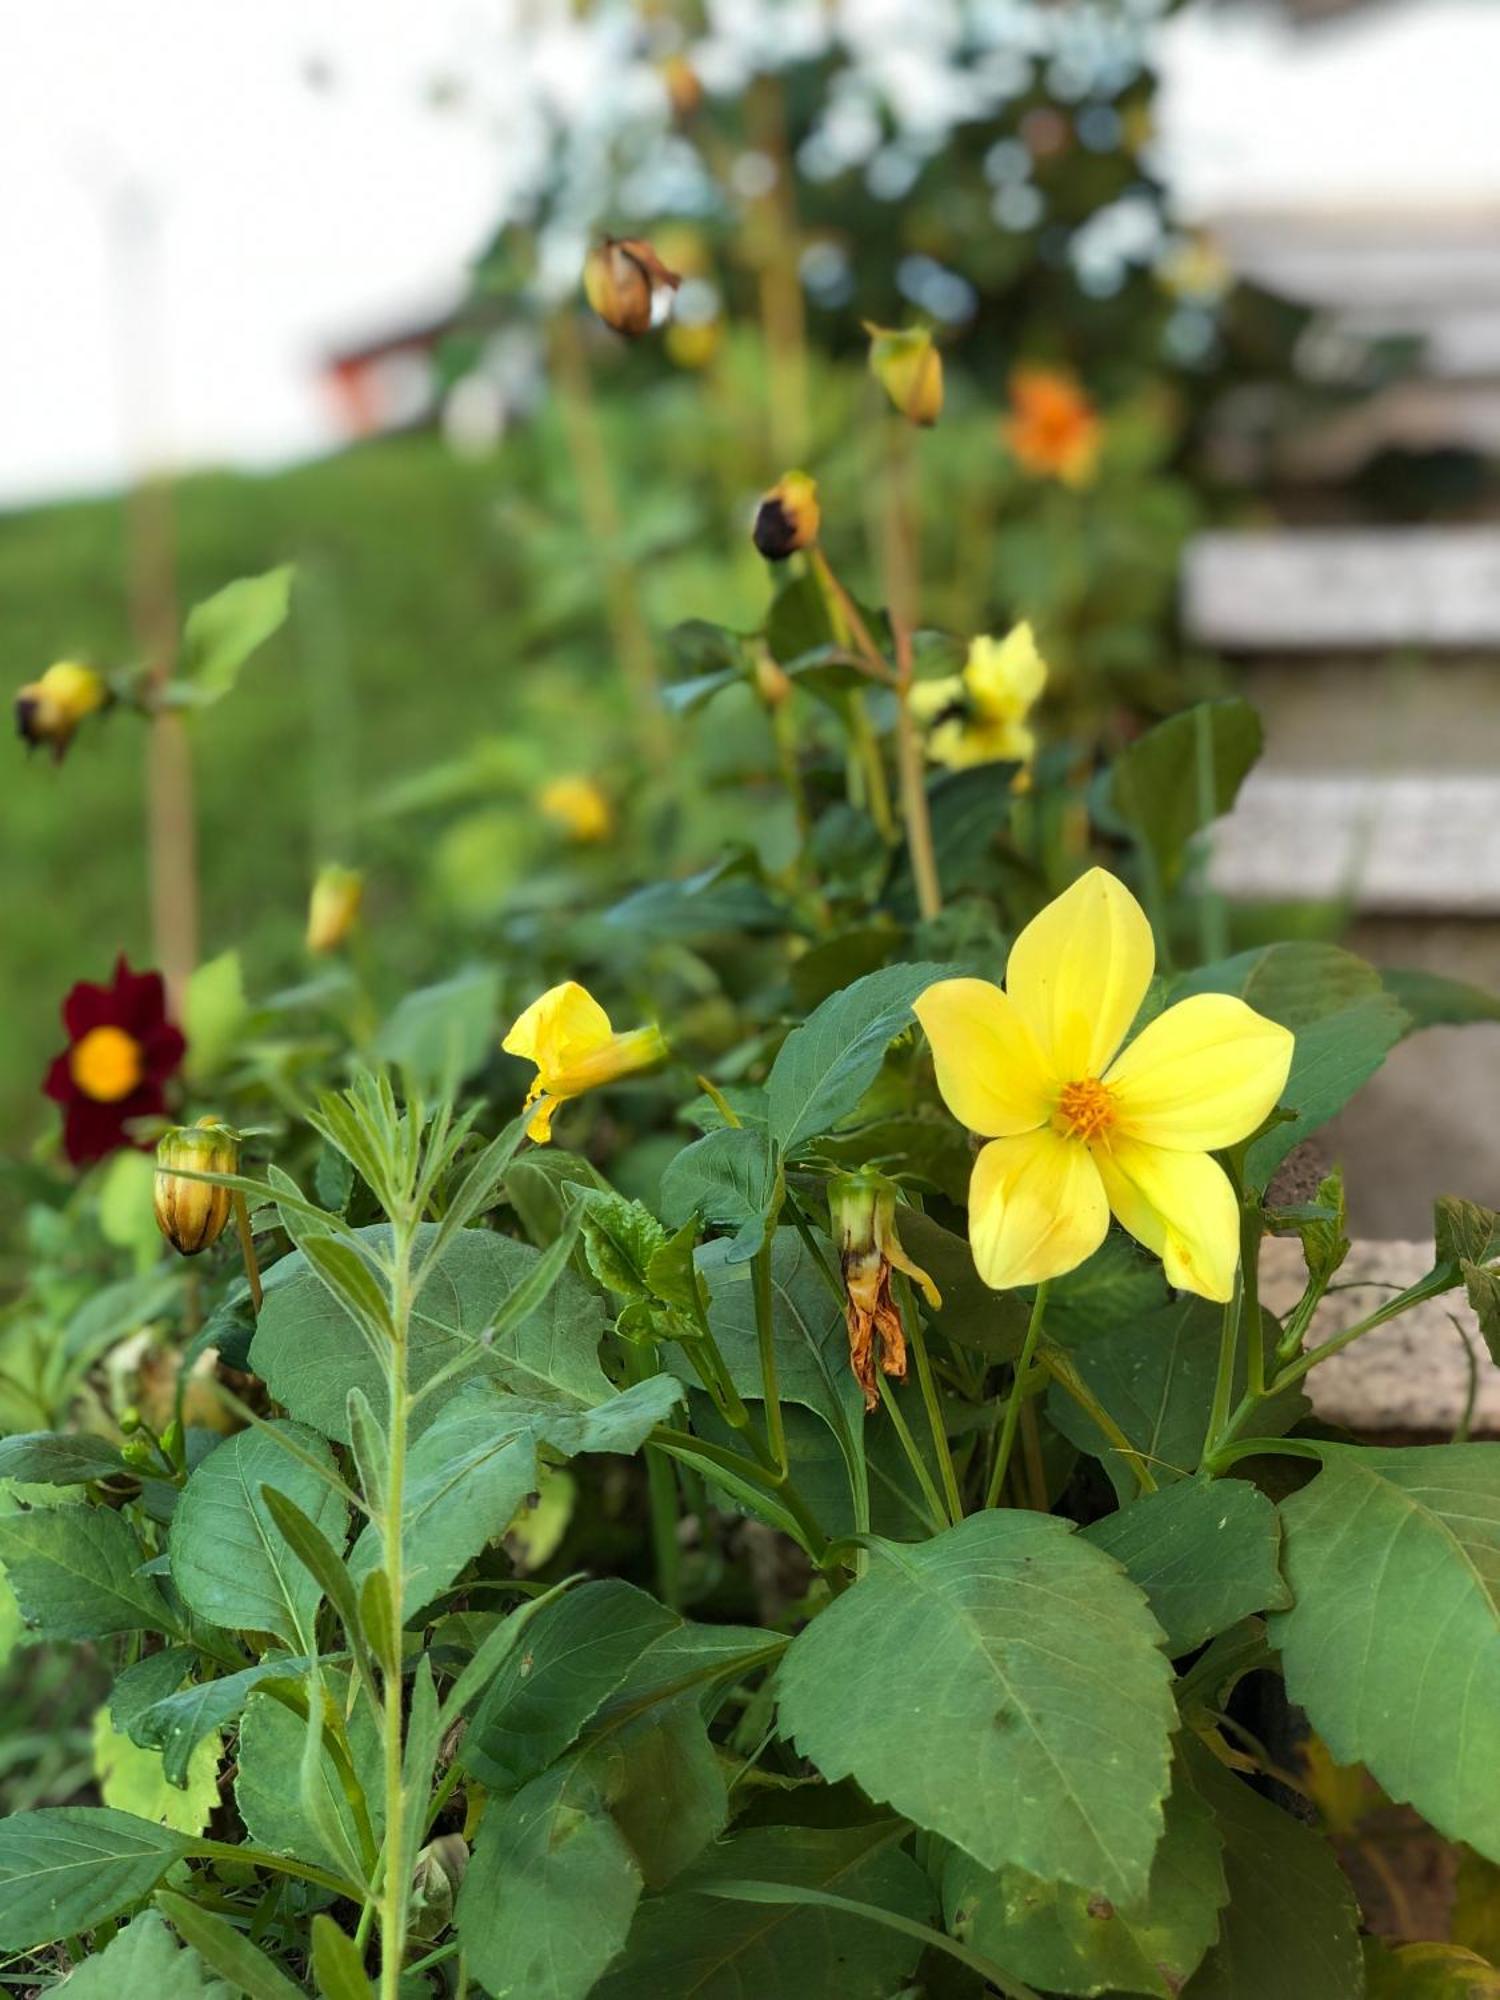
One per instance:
[(779, 1481)]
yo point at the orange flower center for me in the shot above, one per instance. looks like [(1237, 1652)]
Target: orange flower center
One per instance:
[(107, 1064), (1085, 1109)]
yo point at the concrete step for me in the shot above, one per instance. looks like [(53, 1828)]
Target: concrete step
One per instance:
[(1392, 845), (1310, 590), (1413, 1376)]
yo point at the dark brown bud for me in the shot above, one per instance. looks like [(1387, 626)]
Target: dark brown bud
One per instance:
[(622, 278)]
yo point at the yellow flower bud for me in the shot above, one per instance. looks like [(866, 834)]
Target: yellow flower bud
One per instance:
[(333, 908), (622, 279), (862, 1212), (577, 805), (772, 683), (192, 1214), (909, 369), (683, 86), (50, 710), (788, 517)]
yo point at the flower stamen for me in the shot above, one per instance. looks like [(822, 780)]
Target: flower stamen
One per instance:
[(106, 1064), (1085, 1109)]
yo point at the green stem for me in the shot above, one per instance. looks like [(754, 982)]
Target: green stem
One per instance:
[(394, 1888), (1060, 1367), (1013, 1402), (1255, 1332), (765, 1335), (937, 1513), (935, 1421), (1229, 1343), (260, 1857), (662, 1489)]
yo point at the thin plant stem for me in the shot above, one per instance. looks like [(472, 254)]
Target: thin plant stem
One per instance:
[(394, 1883), (1013, 1402), (247, 1250), (937, 1514), (1229, 1343), (662, 1491), (939, 1429), (765, 1335), (1255, 1332), (1031, 1454), (1060, 1367), (870, 765), (912, 773)]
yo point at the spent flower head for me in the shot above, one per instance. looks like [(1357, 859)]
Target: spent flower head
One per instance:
[(623, 280), (50, 710), (788, 517)]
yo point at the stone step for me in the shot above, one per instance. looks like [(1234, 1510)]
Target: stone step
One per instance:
[(1402, 845), (1309, 590), (1414, 1375)]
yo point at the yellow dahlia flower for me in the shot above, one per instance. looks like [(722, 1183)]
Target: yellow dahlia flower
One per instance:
[(979, 716), (1079, 1125), (567, 1034)]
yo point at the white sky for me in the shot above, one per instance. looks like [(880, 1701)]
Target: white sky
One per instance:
[(286, 217)]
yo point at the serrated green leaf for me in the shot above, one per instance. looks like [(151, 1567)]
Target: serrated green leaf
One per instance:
[(730, 1178), (53, 1458), (177, 1723), (267, 1787), (134, 1780), (74, 1571), (64, 1869), (1070, 1942), (311, 1353), (145, 1959), (1204, 1552), (1392, 1643), (1004, 1659), (230, 1561), (620, 1238), (824, 1068)]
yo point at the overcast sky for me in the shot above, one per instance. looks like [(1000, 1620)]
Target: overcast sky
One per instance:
[(272, 175)]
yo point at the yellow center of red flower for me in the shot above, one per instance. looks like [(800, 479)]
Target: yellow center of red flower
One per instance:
[(106, 1064), (1084, 1109)]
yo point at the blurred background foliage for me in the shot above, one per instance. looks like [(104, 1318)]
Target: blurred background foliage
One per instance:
[(473, 600)]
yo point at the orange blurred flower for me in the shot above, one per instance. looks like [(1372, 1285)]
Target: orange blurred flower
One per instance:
[(1053, 429)]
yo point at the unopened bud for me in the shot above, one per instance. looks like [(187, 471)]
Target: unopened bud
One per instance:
[(683, 86), (910, 370), (772, 682), (334, 906), (788, 517), (577, 805), (862, 1212), (50, 710), (192, 1214), (622, 279)]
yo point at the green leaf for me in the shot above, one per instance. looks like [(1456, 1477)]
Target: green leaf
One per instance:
[(550, 1890), (311, 1353), (730, 1178), (1118, 1285), (74, 1571), (992, 1323), (267, 1788), (224, 631), (1156, 1378), (227, 1950), (1004, 1659), (135, 1780), (1291, 1926), (214, 1012), (1157, 785), (50, 1458), (537, 1184), (691, 1942), (1204, 1552), (1345, 1021), (1464, 1232), (1427, 1972), (337, 1963), (620, 1238), (824, 1068), (230, 1561), (441, 1035), (1433, 1000), (578, 1652), (1392, 1644), (145, 1959), (64, 1869), (1068, 1941), (147, 1682), (175, 1724)]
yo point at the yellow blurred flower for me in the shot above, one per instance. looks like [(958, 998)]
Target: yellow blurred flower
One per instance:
[(567, 1034), (1079, 1127), (50, 710), (334, 906), (979, 716), (693, 343), (910, 370), (577, 805), (1053, 430)]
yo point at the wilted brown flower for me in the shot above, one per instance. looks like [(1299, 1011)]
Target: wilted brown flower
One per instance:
[(622, 279), (862, 1210)]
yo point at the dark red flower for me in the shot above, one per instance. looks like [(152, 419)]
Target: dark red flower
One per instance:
[(121, 1051)]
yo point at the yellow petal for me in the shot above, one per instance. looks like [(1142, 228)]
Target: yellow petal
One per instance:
[(928, 699), (989, 1069), (1079, 972), (1181, 1206), (565, 1024), (1005, 676), (1202, 1075), (1036, 1209)]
